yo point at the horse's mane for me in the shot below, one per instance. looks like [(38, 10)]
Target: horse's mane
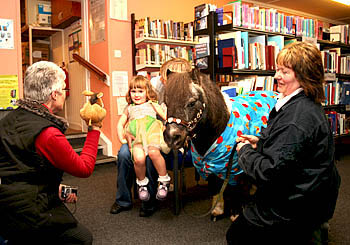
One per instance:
[(177, 89)]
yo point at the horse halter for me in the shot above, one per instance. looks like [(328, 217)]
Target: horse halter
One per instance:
[(188, 125)]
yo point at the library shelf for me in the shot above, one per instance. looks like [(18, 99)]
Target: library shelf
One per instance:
[(231, 71), (173, 42)]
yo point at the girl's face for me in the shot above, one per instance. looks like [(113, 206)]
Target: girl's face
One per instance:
[(138, 95), (286, 80)]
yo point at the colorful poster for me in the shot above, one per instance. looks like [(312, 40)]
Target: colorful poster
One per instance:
[(6, 34), (8, 91)]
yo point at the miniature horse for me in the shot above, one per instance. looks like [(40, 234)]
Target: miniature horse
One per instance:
[(197, 109)]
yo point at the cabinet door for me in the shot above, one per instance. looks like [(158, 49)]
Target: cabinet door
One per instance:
[(64, 13)]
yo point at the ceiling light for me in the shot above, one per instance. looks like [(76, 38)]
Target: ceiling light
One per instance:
[(346, 2)]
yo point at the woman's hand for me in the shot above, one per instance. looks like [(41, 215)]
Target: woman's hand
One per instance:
[(246, 139), (129, 138), (71, 198)]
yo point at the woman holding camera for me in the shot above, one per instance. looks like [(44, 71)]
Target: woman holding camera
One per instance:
[(34, 155)]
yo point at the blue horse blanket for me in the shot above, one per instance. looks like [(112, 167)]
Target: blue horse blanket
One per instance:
[(249, 113)]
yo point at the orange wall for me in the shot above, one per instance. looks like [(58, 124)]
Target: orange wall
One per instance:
[(99, 57), (176, 10), (11, 59), (120, 39)]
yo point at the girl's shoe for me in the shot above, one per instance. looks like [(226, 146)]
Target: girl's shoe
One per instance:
[(162, 191), (143, 193)]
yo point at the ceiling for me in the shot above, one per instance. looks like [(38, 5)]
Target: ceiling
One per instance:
[(327, 9)]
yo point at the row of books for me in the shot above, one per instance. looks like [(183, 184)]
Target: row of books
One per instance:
[(248, 16), (340, 33), (335, 62), (245, 84), (167, 29), (157, 54), (241, 51), (337, 92), (200, 13), (338, 122)]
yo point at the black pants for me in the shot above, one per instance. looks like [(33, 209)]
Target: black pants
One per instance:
[(243, 232), (76, 235)]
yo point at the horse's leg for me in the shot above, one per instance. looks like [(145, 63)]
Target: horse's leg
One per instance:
[(214, 184), (218, 205)]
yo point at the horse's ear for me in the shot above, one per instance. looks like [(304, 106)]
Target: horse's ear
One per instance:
[(168, 72)]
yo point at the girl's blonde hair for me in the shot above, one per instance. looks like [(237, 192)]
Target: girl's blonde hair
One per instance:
[(306, 61), (143, 83)]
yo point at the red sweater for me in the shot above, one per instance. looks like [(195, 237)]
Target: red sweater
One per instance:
[(54, 146)]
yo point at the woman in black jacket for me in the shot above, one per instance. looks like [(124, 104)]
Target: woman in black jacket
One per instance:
[(292, 162), (34, 154)]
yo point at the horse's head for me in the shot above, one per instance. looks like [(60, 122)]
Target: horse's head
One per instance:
[(186, 104), (195, 107)]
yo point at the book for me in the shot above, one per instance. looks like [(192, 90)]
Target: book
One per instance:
[(202, 50), (229, 57), (245, 45), (345, 94), (220, 14), (226, 43), (229, 90), (202, 63)]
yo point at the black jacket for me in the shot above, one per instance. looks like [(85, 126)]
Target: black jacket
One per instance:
[(29, 183), (293, 167)]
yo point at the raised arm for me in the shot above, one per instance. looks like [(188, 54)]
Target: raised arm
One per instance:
[(120, 126), (159, 110)]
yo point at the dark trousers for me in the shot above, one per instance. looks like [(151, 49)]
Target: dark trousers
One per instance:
[(126, 178), (72, 236), (242, 232)]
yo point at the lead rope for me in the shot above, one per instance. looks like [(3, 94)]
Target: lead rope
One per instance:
[(223, 187)]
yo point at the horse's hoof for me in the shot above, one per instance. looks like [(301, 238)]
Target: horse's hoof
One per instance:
[(215, 218)]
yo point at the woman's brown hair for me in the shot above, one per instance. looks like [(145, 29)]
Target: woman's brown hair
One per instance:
[(143, 83), (175, 65), (306, 61)]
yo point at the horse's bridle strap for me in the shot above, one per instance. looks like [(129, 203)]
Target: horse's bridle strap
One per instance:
[(177, 121), (189, 125)]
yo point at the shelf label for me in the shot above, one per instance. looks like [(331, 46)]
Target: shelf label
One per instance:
[(329, 77)]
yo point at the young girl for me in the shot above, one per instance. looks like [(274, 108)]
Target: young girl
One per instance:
[(139, 119)]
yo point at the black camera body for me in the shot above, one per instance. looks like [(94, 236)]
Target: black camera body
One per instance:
[(66, 190)]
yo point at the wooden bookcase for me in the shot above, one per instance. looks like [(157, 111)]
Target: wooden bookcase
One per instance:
[(143, 41)]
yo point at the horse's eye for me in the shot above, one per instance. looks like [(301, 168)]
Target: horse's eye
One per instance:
[(192, 104)]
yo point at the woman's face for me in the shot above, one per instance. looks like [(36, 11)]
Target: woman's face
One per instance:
[(138, 95), (286, 80), (59, 99)]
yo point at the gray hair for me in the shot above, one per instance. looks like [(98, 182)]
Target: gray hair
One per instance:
[(41, 79)]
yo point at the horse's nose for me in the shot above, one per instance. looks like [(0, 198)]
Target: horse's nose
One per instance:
[(173, 136)]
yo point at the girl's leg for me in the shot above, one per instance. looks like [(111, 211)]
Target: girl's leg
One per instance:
[(140, 171), (139, 158), (159, 164), (157, 159)]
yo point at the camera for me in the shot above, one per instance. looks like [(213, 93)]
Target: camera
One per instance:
[(66, 190)]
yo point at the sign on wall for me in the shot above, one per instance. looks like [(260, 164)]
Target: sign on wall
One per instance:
[(8, 91), (6, 34), (97, 21)]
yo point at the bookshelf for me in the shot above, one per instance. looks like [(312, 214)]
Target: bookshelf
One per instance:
[(215, 69), (295, 29), (156, 41)]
